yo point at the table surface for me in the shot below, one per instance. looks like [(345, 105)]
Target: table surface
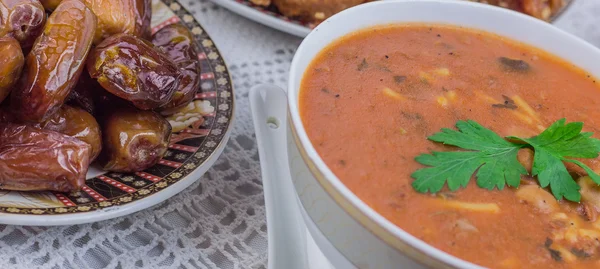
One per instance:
[(218, 222)]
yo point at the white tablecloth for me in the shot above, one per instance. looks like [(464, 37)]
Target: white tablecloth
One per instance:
[(227, 230)]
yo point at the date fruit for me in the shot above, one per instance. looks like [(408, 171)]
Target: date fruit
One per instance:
[(85, 93), (5, 115), (121, 16), (76, 122), (22, 19), (55, 62), (34, 159), (116, 16), (179, 45), (11, 65), (177, 42), (50, 5), (134, 70), (133, 139)]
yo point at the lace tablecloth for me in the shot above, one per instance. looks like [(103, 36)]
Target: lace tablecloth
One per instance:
[(218, 222)]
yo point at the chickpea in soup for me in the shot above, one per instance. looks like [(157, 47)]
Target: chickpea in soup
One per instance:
[(370, 100)]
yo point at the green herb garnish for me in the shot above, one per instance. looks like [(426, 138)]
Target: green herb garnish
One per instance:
[(493, 159)]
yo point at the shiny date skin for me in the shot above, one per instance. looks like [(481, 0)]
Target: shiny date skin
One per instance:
[(11, 65), (134, 70), (121, 17), (55, 62), (50, 5), (188, 85), (133, 139), (116, 16), (76, 122), (179, 45), (22, 19), (34, 159), (177, 42)]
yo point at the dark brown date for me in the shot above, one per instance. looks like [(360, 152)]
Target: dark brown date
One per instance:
[(85, 93), (34, 159), (188, 85), (77, 123), (90, 96), (11, 65), (22, 19), (133, 139), (55, 62), (121, 16), (179, 44), (5, 115), (134, 70)]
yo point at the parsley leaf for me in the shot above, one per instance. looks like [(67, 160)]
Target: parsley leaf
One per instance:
[(494, 162), (561, 142), (597, 142), (494, 159)]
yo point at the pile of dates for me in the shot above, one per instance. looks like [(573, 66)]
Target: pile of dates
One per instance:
[(85, 81)]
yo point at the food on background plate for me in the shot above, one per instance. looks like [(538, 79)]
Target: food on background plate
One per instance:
[(459, 137), (132, 69), (55, 62), (314, 11), (57, 117), (541, 9)]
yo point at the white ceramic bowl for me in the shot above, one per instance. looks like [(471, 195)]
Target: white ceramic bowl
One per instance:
[(353, 234)]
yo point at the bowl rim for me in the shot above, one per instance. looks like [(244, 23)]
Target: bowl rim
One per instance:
[(366, 216)]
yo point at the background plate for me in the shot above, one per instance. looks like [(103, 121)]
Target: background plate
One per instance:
[(268, 17), (272, 18), (202, 130)]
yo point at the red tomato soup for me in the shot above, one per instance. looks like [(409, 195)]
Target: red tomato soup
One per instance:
[(370, 100)]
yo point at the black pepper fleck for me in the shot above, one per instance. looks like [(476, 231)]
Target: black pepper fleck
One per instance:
[(363, 65)]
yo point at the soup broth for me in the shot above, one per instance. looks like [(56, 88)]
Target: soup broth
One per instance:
[(370, 100)]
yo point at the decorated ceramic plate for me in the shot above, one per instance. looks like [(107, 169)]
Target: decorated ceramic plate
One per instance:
[(200, 132), (271, 17), (268, 16)]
